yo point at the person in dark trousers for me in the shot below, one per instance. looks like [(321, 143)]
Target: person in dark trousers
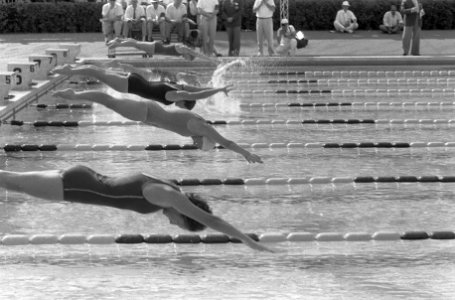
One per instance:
[(410, 9), (231, 13)]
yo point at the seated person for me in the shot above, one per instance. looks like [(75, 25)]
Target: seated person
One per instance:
[(286, 39), (345, 20), (155, 14), (134, 18), (176, 19), (111, 20), (392, 21)]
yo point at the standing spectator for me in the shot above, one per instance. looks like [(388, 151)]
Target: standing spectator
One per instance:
[(208, 9), (392, 21), (345, 20), (231, 12), (264, 24), (111, 21), (286, 39), (411, 32), (155, 14), (134, 16), (176, 19)]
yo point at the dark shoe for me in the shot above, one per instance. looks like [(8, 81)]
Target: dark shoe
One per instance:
[(218, 54)]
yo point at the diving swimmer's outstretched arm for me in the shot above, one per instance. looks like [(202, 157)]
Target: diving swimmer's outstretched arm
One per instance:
[(166, 196), (201, 128)]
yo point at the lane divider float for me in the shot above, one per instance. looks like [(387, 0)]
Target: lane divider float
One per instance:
[(62, 106), (71, 239), (175, 147), (57, 123), (354, 105)]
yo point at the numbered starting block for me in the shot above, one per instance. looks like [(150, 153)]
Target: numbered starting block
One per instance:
[(7, 79), (25, 72), (73, 50), (61, 55), (45, 64)]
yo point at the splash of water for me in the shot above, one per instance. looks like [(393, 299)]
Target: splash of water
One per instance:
[(221, 104)]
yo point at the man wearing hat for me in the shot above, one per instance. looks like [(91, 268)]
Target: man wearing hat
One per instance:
[(155, 14), (345, 20), (286, 39)]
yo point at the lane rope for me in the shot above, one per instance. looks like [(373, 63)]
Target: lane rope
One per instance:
[(353, 92), (62, 106), (71, 239), (345, 74), (175, 147), (336, 82), (351, 105), (57, 123)]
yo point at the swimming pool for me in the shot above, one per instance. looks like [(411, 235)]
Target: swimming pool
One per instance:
[(370, 269)]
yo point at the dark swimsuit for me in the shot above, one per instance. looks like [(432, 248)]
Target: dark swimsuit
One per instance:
[(83, 185), (138, 85)]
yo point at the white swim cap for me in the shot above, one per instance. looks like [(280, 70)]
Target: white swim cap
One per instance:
[(207, 144)]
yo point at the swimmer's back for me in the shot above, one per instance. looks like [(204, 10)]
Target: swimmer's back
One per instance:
[(83, 185)]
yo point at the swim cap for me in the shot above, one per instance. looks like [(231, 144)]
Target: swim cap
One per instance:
[(207, 144)]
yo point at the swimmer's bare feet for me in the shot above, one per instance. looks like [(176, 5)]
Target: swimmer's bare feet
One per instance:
[(65, 70), (65, 94)]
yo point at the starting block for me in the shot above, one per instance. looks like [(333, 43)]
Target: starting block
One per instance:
[(73, 50), (7, 79), (45, 64), (25, 72), (61, 55)]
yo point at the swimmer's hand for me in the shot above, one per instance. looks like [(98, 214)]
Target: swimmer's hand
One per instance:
[(227, 89), (253, 158)]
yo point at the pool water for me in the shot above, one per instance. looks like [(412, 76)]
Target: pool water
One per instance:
[(299, 270)]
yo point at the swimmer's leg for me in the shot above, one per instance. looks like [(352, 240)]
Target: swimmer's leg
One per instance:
[(114, 80), (42, 184), (132, 109), (147, 47)]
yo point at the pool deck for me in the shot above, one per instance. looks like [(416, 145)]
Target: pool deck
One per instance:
[(325, 48)]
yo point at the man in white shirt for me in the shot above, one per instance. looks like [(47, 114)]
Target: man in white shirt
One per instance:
[(208, 9), (264, 24), (155, 14), (176, 18), (134, 17), (112, 13), (345, 20), (392, 21)]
